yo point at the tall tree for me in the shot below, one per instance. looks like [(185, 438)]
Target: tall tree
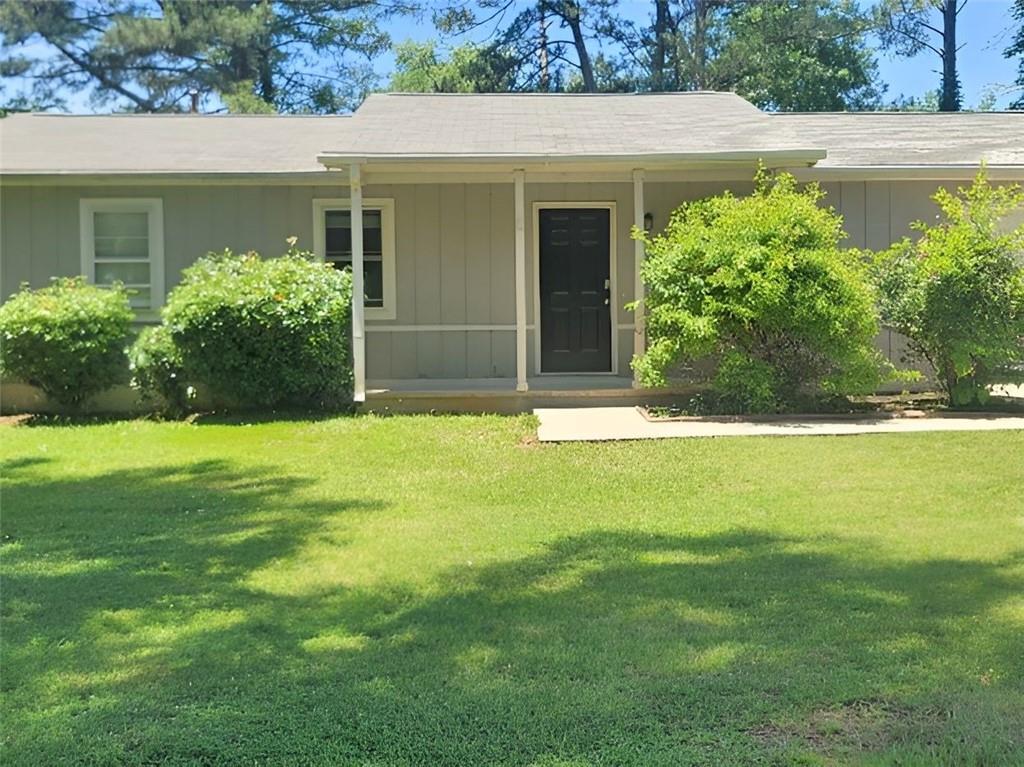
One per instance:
[(1016, 49), (147, 55), (799, 56), (805, 55), (549, 40), (910, 27)]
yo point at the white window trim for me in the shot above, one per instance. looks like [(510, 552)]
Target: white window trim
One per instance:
[(154, 207), (386, 206)]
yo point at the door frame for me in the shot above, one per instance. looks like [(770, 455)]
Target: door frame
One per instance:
[(610, 206)]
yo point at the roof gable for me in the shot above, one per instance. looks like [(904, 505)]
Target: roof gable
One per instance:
[(401, 125)]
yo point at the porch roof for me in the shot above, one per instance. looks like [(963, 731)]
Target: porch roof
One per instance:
[(531, 128)]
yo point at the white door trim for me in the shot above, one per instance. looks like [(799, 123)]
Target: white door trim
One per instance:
[(610, 206)]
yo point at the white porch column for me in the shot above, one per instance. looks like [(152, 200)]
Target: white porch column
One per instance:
[(639, 323), (358, 289), (519, 178)]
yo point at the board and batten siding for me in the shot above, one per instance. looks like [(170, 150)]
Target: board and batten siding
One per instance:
[(455, 263)]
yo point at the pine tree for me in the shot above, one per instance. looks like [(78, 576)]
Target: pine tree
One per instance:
[(143, 55), (1016, 48)]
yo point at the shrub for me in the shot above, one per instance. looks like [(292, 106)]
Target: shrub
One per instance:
[(761, 284), (957, 292), (157, 371), (744, 384), (265, 332), (68, 339)]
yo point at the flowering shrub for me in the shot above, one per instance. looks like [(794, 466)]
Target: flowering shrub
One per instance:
[(761, 284), (957, 291), (264, 332), (68, 339)]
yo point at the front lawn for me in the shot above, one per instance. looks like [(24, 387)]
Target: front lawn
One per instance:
[(421, 590)]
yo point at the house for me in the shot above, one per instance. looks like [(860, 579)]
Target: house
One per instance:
[(489, 234)]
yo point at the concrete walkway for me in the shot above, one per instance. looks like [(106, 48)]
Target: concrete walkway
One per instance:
[(612, 423)]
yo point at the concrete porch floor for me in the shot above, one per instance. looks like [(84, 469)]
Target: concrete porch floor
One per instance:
[(499, 395)]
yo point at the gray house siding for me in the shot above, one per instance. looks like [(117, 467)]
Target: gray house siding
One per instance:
[(455, 308)]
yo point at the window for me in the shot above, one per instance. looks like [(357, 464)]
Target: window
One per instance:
[(332, 242), (122, 241)]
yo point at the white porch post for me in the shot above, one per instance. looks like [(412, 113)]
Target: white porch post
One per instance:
[(639, 322), (519, 178), (358, 289)]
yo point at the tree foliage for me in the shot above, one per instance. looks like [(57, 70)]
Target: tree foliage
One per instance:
[(1016, 49), (544, 45), (761, 284), (805, 55), (800, 55), (912, 26), (468, 68), (957, 292), (144, 55)]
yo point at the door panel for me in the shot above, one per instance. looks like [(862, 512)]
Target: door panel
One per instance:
[(574, 295)]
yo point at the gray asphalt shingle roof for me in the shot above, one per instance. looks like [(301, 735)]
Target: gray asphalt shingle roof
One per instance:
[(865, 139), (500, 126), (47, 143), (542, 125)]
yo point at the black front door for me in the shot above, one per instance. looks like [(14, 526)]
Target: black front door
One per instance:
[(575, 315)]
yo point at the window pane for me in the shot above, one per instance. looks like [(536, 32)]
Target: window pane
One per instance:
[(139, 298), (339, 218), (121, 224), (339, 232), (373, 280), (129, 274), (372, 241), (121, 247), (339, 241), (373, 283)]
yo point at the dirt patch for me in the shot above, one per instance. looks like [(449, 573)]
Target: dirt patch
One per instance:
[(15, 420), (866, 725)]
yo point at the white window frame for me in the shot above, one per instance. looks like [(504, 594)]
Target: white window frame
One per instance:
[(154, 208), (386, 206)]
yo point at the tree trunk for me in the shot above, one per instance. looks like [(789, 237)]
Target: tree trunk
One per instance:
[(700, 42), (949, 99), (661, 22), (545, 75), (571, 14)]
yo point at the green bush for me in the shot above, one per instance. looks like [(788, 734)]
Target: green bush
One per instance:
[(957, 292), (761, 284), (744, 384), (157, 371), (68, 339), (265, 333)]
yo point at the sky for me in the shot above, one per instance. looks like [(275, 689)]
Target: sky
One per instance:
[(984, 29)]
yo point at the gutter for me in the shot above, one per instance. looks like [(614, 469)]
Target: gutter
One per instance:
[(790, 156)]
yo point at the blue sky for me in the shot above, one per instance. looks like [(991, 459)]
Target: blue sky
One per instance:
[(984, 29)]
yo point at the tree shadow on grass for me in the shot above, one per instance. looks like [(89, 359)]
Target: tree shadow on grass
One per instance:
[(135, 634)]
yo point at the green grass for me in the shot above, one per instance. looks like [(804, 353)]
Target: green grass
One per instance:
[(419, 590)]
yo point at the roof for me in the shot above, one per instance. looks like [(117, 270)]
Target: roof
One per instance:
[(874, 139), (163, 143), (651, 128), (498, 126)]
